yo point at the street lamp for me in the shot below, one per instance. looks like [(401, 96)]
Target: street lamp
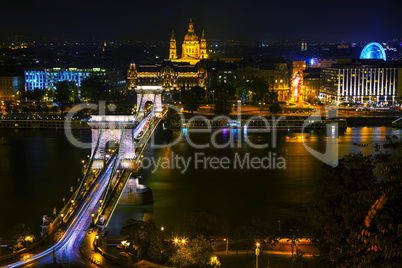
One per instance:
[(257, 252)]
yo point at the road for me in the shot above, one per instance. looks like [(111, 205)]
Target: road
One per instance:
[(67, 248)]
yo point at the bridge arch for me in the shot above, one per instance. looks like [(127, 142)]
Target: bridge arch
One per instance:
[(149, 94), (113, 129)]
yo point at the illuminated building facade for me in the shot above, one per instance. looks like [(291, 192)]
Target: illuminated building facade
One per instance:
[(297, 80), (276, 73), (363, 83), (298, 68), (171, 76), (303, 46), (373, 51), (48, 78), (312, 84), (193, 48), (10, 86)]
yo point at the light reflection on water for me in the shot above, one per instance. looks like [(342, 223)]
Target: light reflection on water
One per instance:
[(240, 195), (38, 167)]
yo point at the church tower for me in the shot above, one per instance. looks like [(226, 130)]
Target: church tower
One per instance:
[(203, 47), (173, 49), (191, 44), (193, 48)]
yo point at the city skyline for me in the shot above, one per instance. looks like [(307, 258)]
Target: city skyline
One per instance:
[(240, 20)]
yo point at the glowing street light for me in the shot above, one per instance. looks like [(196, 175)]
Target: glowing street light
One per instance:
[(125, 243), (257, 252)]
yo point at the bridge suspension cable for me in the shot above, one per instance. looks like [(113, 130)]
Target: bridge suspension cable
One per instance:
[(115, 165), (87, 172)]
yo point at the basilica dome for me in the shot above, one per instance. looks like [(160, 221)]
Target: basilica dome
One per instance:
[(190, 35)]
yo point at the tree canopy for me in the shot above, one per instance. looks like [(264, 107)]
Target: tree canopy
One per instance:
[(356, 220), (92, 88), (64, 93), (195, 253), (147, 240), (36, 94), (224, 96)]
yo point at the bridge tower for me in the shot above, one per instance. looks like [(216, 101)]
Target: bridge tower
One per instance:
[(110, 129), (149, 93)]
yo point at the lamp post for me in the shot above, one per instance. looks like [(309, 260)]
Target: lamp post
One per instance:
[(257, 252), (227, 245)]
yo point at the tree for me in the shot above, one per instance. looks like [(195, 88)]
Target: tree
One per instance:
[(241, 87), (257, 231), (356, 220), (190, 100), (298, 261), (92, 88), (207, 224), (145, 239), (199, 92), (36, 94), (259, 88), (23, 235), (64, 93), (261, 94), (275, 108), (196, 253), (224, 95)]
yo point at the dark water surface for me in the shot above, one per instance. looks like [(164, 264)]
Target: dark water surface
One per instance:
[(38, 167)]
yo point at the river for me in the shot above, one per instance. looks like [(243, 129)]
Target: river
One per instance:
[(38, 167)]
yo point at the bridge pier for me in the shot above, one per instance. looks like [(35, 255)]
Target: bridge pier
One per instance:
[(149, 94), (135, 193), (109, 128)]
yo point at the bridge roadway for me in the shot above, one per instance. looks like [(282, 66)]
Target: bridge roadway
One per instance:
[(67, 248), (68, 245)]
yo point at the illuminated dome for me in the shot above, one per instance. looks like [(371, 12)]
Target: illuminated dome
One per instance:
[(373, 51), (191, 36)]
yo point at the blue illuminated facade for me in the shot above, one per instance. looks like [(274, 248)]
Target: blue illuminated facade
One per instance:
[(373, 51), (48, 78)]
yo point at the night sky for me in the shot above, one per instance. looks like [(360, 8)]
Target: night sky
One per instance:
[(285, 20)]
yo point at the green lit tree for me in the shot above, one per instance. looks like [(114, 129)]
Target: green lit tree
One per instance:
[(198, 252), (23, 235), (93, 88), (146, 240), (64, 93)]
